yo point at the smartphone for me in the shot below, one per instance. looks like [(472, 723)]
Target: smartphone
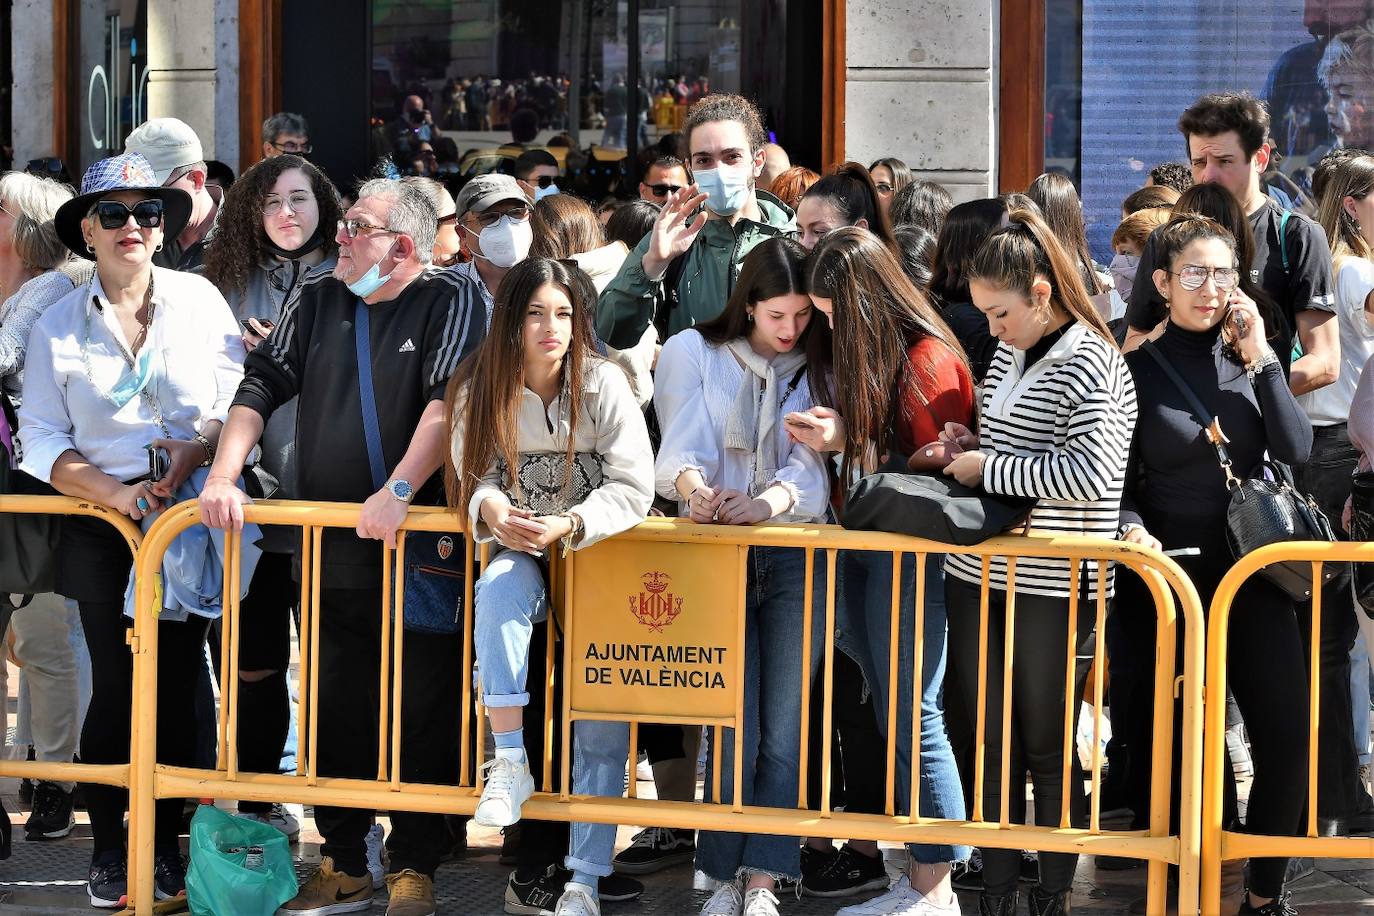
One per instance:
[(528, 524), (158, 462), (794, 419), (269, 325)]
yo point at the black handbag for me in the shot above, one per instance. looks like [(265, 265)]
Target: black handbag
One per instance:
[(930, 506), (1262, 511), (28, 543), (1362, 529)]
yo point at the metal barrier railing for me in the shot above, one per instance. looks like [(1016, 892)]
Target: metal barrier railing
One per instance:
[(662, 539), (115, 774), (1220, 845)]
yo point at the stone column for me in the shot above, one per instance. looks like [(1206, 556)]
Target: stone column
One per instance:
[(181, 63), (921, 87), (31, 59)]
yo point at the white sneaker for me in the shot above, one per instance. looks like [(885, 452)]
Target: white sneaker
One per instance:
[(726, 901), (760, 902), (508, 785), (577, 900), (902, 899), (644, 771), (375, 851), (279, 818)]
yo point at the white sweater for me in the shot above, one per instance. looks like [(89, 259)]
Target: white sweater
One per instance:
[(695, 387), (610, 426)]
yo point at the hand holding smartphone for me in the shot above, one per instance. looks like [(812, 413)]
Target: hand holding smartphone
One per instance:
[(258, 327)]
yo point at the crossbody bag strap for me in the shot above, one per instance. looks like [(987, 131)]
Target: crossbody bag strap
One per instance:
[(372, 433), (1211, 429)]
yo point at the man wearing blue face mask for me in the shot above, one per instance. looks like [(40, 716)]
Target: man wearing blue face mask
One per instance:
[(536, 171), (368, 351), (681, 273), (494, 228)]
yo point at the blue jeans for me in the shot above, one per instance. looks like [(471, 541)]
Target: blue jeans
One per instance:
[(774, 701), (600, 753), (865, 614), (511, 597)]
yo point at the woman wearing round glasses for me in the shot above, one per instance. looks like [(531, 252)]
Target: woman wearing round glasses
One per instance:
[(1176, 496), (135, 368)]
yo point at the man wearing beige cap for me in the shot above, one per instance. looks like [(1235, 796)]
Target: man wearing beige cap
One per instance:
[(174, 151), (494, 223)]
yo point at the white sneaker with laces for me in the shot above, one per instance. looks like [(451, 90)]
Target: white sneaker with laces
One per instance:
[(760, 902), (278, 818), (726, 901), (508, 785), (577, 900), (902, 900), (374, 841)]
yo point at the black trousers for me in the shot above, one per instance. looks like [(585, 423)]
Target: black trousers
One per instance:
[(265, 645), (857, 748), (1038, 699), (1266, 671), (349, 672)]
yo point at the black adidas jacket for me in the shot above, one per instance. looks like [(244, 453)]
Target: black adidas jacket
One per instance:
[(417, 340)]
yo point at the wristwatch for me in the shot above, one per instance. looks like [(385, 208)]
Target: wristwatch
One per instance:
[(401, 489)]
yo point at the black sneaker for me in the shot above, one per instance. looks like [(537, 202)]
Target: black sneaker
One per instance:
[(654, 849), (169, 875), (51, 817), (537, 896), (616, 888), (813, 859), (1282, 905), (26, 785), (510, 844), (1043, 904), (849, 872), (5, 847), (968, 875), (1030, 867), (108, 883), (1004, 905)]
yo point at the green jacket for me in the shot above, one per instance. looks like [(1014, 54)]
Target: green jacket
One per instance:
[(704, 280)]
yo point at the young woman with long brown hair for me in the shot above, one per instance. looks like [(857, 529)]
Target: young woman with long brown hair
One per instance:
[(845, 197), (897, 377), (1057, 413), (548, 445)]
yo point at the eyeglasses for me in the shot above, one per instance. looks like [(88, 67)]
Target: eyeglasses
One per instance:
[(297, 201), (147, 214), (451, 218), (663, 190), (50, 165), (543, 181), (1193, 276), (490, 218), (298, 149), (351, 228), (883, 187)]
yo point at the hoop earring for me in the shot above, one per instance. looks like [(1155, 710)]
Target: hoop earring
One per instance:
[(749, 316), (158, 247), (89, 248), (1043, 315)]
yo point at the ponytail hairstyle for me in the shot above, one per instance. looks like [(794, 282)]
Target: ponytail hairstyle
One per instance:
[(850, 190), (773, 268), (1026, 250), (1063, 211), (1352, 177), (486, 390), (877, 314)]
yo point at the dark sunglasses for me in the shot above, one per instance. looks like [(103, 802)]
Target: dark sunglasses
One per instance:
[(663, 190), (147, 214), (542, 181), (48, 164)]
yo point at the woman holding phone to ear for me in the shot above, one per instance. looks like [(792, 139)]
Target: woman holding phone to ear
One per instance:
[(722, 390), (1176, 496)]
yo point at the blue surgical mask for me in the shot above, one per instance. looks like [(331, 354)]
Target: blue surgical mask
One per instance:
[(541, 193), (369, 282), (135, 379), (726, 188)]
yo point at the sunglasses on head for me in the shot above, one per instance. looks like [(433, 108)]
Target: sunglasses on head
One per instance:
[(663, 190), (147, 214), (46, 165)]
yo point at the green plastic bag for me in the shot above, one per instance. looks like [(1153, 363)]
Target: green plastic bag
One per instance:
[(237, 866)]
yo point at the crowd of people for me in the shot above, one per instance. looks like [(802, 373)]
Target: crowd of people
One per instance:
[(743, 343)]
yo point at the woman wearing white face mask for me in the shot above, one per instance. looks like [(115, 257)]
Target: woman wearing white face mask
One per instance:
[(682, 270), (494, 227)]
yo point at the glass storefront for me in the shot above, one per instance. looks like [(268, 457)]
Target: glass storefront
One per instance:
[(109, 96), (1120, 72)]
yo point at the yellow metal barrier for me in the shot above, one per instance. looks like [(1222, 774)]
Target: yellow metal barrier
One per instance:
[(1219, 845), (116, 774), (659, 539)]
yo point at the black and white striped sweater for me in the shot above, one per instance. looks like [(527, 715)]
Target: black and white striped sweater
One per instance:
[(1059, 433)]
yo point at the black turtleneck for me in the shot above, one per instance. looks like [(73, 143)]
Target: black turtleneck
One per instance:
[(1174, 485)]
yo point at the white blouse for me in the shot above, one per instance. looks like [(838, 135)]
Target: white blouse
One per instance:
[(75, 359), (695, 386)]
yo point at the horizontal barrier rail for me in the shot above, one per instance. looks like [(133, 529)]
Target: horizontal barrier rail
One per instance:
[(1218, 844), (116, 774), (579, 611)]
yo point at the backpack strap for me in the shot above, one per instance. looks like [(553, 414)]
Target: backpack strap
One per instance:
[(1283, 237)]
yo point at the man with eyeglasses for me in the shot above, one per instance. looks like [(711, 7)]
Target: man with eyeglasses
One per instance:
[(418, 323), (174, 151), (664, 175), (285, 132), (494, 227)]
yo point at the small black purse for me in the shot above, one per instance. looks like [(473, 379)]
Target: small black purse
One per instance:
[(1262, 511)]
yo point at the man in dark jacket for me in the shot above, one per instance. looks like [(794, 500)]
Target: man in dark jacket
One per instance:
[(420, 322)]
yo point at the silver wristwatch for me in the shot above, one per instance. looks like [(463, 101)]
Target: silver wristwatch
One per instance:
[(401, 489)]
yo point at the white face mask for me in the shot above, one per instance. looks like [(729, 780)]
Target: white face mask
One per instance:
[(1123, 268), (507, 242)]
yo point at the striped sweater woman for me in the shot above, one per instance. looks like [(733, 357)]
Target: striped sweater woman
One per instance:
[(1058, 413)]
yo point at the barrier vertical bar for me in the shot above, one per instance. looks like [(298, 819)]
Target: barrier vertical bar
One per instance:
[(980, 726), (226, 639), (229, 664), (469, 617), (737, 799), (398, 633), (893, 635), (918, 678), (480, 739), (1099, 672), (1070, 670), (803, 761), (306, 663), (632, 761), (1156, 883), (828, 687), (312, 778), (384, 663), (558, 590), (1008, 672), (569, 631), (1314, 698)]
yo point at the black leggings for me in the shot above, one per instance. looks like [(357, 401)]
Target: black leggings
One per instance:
[(1037, 716), (105, 734)]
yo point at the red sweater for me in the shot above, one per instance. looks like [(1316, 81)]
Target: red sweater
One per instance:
[(941, 391)]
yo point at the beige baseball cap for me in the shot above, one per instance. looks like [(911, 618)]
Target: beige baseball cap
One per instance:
[(167, 144)]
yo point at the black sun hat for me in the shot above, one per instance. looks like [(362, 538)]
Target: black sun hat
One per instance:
[(128, 172)]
